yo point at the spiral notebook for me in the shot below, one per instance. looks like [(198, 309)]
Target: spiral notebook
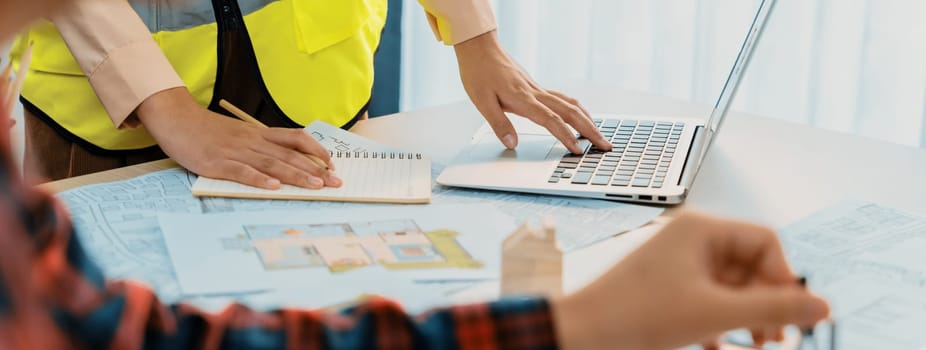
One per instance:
[(372, 173), (370, 177)]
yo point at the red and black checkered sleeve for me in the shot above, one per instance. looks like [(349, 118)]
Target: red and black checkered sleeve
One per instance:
[(525, 323)]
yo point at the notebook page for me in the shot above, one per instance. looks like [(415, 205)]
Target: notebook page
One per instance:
[(373, 180)]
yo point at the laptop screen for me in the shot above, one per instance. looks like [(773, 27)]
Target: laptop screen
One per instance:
[(731, 86)]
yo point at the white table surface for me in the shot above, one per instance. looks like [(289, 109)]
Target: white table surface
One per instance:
[(760, 169)]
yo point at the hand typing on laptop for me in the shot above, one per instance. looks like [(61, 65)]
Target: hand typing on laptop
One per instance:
[(496, 85)]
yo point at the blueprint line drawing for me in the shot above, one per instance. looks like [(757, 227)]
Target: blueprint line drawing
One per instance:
[(118, 221), (867, 260)]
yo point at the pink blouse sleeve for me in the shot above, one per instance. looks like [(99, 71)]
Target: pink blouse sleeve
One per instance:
[(456, 21), (117, 53)]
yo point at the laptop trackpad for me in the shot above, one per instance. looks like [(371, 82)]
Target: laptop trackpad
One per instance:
[(489, 164), (531, 148)]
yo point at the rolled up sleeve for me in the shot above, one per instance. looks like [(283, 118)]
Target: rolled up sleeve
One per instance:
[(115, 50), (456, 21)]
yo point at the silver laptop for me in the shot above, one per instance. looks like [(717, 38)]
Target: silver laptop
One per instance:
[(653, 160)]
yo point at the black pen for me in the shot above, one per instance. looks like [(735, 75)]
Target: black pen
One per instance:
[(807, 333)]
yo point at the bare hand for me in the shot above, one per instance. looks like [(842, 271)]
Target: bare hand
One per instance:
[(696, 279), (220, 147), (496, 85)]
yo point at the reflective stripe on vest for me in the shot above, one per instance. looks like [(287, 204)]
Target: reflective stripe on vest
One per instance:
[(315, 57)]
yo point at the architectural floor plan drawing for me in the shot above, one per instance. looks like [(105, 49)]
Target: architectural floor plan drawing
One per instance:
[(248, 252), (340, 247)]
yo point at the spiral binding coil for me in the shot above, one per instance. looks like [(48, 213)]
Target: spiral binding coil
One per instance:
[(376, 155)]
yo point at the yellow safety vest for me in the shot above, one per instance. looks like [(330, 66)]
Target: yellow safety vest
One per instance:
[(315, 57)]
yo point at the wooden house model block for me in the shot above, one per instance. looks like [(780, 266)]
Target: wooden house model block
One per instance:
[(532, 262)]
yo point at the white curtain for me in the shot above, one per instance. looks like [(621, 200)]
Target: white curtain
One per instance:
[(850, 65)]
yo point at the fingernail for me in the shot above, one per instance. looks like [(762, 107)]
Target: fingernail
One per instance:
[(334, 181), (272, 182), (316, 182), (508, 141)]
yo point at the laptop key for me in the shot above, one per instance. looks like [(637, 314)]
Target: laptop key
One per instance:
[(657, 184), (582, 177), (601, 180), (554, 180), (641, 182), (572, 158), (566, 175)]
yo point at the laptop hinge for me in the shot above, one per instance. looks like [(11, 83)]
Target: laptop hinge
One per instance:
[(693, 160)]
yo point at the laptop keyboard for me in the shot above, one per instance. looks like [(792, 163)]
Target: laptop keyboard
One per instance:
[(641, 154)]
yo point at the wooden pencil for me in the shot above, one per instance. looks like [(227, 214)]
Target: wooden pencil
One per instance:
[(248, 118)]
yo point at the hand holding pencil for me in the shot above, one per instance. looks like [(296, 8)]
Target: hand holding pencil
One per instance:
[(244, 116), (216, 146)]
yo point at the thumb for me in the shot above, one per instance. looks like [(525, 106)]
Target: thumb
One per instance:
[(769, 307)]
